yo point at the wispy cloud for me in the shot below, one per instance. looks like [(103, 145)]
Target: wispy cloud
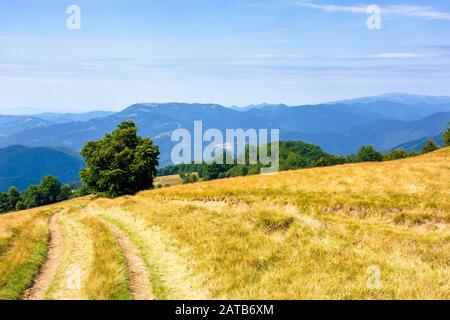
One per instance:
[(399, 55), (425, 12), (332, 8)]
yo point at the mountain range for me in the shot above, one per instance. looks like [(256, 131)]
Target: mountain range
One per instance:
[(340, 128)]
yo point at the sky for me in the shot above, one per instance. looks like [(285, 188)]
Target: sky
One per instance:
[(231, 52)]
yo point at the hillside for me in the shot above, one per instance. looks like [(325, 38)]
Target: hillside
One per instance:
[(24, 166), (360, 231)]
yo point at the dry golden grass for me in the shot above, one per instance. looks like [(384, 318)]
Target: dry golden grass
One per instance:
[(169, 273), (167, 181), (314, 233), (362, 231)]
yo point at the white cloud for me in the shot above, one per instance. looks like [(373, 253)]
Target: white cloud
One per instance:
[(332, 8), (396, 55), (416, 11), (426, 12)]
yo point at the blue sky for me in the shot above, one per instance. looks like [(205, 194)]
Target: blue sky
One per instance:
[(233, 52)]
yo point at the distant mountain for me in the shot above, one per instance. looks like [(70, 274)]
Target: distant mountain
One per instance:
[(417, 144), (403, 98), (382, 134), (72, 117), (264, 106), (12, 124), (338, 128), (23, 166)]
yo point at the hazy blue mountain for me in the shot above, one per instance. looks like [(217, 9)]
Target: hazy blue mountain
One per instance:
[(13, 124), (417, 144), (72, 117), (403, 98), (22, 166), (264, 106), (384, 135), (8, 118)]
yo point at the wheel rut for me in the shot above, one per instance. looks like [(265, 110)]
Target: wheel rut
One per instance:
[(47, 271), (139, 275)]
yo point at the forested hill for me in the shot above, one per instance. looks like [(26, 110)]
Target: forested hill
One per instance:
[(23, 166), (293, 155)]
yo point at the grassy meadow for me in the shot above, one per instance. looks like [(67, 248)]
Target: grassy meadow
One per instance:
[(356, 231)]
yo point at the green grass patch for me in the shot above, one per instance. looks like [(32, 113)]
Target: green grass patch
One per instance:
[(108, 278), (24, 256)]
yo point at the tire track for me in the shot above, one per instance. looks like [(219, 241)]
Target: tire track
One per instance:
[(139, 276), (48, 270)]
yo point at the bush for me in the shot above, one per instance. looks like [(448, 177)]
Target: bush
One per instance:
[(396, 155), (446, 136), (3, 202), (430, 146), (121, 164), (20, 206), (368, 154), (14, 196)]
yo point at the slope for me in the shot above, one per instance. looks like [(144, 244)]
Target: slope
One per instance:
[(360, 231)]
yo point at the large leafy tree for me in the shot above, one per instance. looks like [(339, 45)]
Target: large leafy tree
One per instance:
[(122, 163), (446, 136)]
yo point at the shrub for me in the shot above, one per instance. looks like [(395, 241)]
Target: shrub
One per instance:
[(368, 154), (446, 136), (430, 146), (396, 155)]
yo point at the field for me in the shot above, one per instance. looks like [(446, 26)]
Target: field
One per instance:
[(359, 231)]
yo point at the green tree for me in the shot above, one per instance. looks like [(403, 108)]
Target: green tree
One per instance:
[(395, 155), (430, 146), (14, 196), (64, 194), (368, 154), (80, 191), (120, 164), (20, 205), (32, 197), (50, 188), (3, 202), (446, 136)]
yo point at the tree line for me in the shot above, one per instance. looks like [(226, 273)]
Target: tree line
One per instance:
[(294, 155), (49, 191)]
